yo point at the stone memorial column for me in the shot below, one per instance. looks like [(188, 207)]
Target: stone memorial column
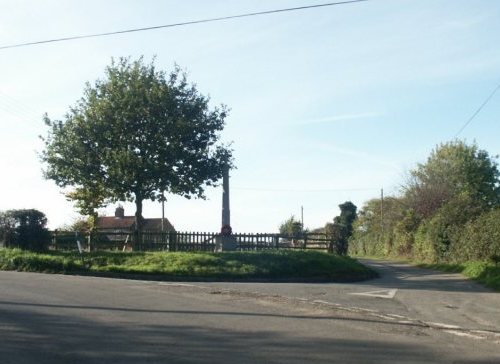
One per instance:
[(226, 241)]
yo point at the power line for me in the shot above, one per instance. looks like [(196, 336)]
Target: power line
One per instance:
[(209, 20), (18, 106), (304, 190), (478, 110)]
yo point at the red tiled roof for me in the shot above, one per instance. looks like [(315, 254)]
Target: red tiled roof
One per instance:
[(128, 222), (155, 224)]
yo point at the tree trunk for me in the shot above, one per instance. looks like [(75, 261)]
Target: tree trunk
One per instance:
[(138, 220), (92, 231)]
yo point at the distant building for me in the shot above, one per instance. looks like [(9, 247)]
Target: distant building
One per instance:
[(122, 223)]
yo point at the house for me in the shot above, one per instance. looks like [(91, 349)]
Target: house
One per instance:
[(126, 224)]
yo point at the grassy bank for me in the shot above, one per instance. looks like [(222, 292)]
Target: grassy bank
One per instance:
[(278, 265)]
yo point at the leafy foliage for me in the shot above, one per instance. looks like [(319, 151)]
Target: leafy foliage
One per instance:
[(404, 231), (25, 229), (347, 216), (88, 201), (80, 225), (135, 134), (374, 231), (447, 213), (453, 169), (445, 227), (341, 229), (336, 233), (291, 227), (479, 239)]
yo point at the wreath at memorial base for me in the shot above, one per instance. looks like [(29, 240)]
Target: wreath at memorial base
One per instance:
[(226, 230)]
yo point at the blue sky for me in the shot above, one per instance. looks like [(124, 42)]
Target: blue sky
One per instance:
[(327, 105)]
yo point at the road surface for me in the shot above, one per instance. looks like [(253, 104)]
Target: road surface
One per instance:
[(406, 316)]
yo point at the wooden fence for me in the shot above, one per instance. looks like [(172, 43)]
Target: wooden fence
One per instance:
[(184, 241)]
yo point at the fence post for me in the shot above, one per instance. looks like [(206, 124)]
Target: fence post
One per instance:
[(305, 240), (89, 242), (277, 241), (173, 241), (55, 240)]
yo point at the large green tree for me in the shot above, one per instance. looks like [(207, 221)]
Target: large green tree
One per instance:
[(135, 134), (458, 185), (452, 169)]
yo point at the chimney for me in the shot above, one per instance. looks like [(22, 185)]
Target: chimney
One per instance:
[(120, 212)]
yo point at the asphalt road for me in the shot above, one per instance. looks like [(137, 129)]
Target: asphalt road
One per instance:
[(402, 290), (407, 316)]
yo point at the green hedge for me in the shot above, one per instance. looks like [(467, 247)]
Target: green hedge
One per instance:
[(451, 235), (479, 239)]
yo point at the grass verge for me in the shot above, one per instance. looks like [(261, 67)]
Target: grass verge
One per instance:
[(269, 265)]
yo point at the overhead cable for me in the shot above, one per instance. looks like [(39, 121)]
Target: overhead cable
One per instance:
[(478, 110), (208, 20)]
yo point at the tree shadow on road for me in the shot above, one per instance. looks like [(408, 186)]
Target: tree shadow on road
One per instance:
[(73, 337)]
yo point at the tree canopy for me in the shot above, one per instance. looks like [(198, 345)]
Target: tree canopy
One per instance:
[(135, 134), (25, 229), (437, 217), (341, 228), (291, 227), (454, 168)]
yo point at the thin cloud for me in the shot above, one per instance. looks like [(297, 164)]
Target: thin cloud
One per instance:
[(336, 118), (367, 157), (465, 22)]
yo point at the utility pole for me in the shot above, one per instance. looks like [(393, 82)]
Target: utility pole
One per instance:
[(382, 211), (302, 216)]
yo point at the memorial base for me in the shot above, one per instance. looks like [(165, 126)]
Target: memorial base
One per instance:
[(226, 244)]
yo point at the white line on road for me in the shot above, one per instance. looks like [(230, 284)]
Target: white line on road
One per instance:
[(386, 293), (396, 316), (440, 325), (178, 284), (463, 334), (492, 336)]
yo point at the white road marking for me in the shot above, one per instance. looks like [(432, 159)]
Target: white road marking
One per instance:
[(321, 301), (386, 293), (396, 316), (386, 317), (464, 334), (444, 326), (177, 284), (484, 332)]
